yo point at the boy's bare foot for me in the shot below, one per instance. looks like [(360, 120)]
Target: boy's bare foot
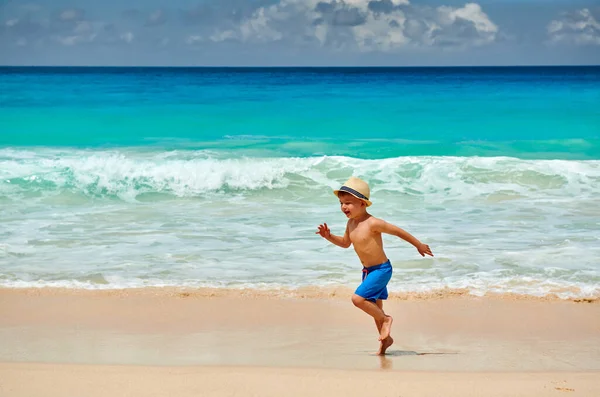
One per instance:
[(384, 344), (386, 328)]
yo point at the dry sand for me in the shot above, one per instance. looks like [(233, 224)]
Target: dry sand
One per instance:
[(96, 381), (156, 342)]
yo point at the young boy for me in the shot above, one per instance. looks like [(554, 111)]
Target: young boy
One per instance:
[(363, 231)]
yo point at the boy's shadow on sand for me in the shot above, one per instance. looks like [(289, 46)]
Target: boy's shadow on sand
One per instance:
[(386, 361), (400, 353), (397, 353)]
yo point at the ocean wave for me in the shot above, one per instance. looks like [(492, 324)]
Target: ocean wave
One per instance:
[(129, 174)]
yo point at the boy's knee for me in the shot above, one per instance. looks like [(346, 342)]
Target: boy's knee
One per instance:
[(357, 300)]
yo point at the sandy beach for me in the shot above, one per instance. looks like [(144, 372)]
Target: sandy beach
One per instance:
[(157, 342)]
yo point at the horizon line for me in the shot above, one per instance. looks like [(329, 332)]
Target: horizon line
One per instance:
[(301, 66)]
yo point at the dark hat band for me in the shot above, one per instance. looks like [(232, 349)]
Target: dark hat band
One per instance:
[(353, 192)]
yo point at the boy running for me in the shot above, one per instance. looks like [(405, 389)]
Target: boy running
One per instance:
[(363, 232)]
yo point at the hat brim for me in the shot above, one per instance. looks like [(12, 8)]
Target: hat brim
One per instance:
[(336, 192)]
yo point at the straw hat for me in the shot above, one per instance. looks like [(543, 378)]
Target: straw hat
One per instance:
[(356, 187)]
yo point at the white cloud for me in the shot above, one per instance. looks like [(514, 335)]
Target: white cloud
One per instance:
[(97, 32), (194, 39), (72, 14), (272, 23), (76, 39), (320, 33), (382, 32), (157, 18), (68, 40), (579, 27), (365, 25), (364, 4), (259, 27), (219, 36), (83, 27), (470, 12), (79, 32), (460, 28), (127, 37), (344, 25)]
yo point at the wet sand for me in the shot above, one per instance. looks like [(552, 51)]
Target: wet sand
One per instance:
[(222, 342)]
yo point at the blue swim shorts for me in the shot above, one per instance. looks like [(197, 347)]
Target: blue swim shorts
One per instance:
[(374, 282)]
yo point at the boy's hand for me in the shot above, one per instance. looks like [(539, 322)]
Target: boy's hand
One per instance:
[(324, 231), (424, 249)]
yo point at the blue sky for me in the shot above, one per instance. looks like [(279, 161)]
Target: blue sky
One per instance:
[(299, 32)]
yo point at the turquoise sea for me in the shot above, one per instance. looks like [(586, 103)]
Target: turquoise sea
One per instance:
[(134, 177)]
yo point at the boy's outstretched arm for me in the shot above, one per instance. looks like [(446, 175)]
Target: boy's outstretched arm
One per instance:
[(340, 241), (382, 226)]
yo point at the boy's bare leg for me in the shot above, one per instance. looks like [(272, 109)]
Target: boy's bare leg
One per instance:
[(379, 323), (373, 310), (387, 342)]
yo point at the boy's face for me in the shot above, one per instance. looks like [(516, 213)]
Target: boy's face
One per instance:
[(351, 206)]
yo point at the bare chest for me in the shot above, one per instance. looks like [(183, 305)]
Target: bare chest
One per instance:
[(359, 234)]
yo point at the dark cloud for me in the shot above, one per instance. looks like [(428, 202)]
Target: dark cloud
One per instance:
[(132, 13), (383, 6), (348, 17), (324, 8), (340, 40), (415, 29), (453, 28), (221, 12), (460, 33), (317, 29), (340, 14), (110, 28), (64, 28)]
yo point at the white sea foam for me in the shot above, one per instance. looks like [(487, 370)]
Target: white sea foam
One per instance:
[(195, 173), (127, 218)]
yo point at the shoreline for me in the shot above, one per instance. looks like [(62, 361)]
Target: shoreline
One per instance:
[(337, 293), (183, 328)]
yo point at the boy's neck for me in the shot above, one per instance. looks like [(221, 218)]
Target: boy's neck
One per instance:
[(362, 217)]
